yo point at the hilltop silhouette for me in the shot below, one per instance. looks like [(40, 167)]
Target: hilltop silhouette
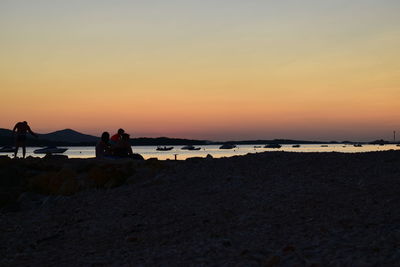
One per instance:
[(69, 137)]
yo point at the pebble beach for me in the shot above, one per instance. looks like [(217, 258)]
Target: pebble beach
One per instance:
[(264, 209)]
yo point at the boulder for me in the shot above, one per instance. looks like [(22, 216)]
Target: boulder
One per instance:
[(40, 183), (194, 159), (137, 156), (109, 175), (140, 174), (55, 183), (69, 184), (6, 198), (57, 157), (98, 176)]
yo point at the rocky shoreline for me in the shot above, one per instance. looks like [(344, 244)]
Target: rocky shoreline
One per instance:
[(266, 209)]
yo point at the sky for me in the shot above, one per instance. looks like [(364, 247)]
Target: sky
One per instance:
[(215, 70)]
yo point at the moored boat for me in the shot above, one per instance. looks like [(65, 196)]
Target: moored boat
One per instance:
[(227, 146), (164, 148), (296, 146), (50, 150), (272, 146), (190, 147)]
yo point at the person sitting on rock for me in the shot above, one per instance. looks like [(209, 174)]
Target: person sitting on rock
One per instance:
[(103, 146), (117, 137), (20, 130), (123, 147)]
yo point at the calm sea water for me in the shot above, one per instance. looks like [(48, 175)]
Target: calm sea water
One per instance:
[(150, 151)]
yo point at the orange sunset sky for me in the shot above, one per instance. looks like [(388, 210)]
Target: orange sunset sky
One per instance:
[(217, 70)]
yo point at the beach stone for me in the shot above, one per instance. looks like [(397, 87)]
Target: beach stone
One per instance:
[(141, 173), (41, 183), (4, 158), (154, 164), (272, 261), (56, 157), (115, 181), (6, 198), (194, 159), (54, 183), (137, 156), (29, 200), (11, 177), (31, 158), (98, 175), (132, 239), (59, 179), (289, 248), (69, 187), (109, 175)]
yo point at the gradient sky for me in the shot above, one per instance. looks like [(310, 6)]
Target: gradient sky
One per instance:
[(218, 70)]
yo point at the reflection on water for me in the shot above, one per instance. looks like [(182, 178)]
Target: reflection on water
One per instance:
[(150, 151)]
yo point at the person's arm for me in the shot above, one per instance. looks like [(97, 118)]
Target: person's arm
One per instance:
[(32, 133), (15, 128)]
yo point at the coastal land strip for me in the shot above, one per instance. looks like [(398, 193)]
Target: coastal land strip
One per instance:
[(264, 209)]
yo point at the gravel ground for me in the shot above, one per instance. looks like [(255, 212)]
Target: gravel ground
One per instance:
[(266, 209)]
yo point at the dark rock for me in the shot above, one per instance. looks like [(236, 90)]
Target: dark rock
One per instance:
[(136, 156), (56, 157), (272, 261), (194, 159), (6, 198)]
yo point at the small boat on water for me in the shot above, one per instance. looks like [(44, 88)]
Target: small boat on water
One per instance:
[(7, 149), (227, 146), (164, 148), (190, 147), (358, 145), (324, 145), (272, 146), (257, 146), (296, 146), (50, 150)]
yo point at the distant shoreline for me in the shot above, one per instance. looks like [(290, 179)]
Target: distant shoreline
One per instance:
[(69, 137)]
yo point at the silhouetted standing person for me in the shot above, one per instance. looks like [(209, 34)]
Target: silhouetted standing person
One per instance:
[(20, 131)]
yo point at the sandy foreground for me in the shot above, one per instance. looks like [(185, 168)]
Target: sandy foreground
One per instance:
[(266, 209)]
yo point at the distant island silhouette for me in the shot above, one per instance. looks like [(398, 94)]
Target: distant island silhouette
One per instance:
[(69, 137)]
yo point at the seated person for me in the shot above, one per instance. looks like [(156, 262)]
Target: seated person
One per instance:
[(103, 148), (117, 137), (123, 147)]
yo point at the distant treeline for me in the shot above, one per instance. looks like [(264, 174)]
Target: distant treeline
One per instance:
[(70, 137), (31, 141), (160, 141), (275, 141)]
